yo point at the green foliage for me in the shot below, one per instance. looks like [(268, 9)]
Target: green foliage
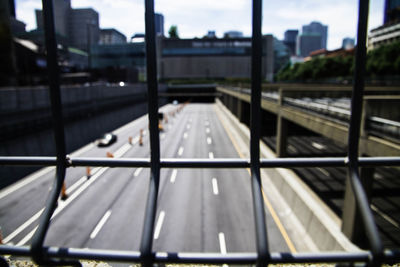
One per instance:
[(173, 31), (382, 61)]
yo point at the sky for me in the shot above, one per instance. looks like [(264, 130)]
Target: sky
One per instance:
[(194, 18)]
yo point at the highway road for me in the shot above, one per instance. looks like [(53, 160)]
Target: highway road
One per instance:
[(199, 210)]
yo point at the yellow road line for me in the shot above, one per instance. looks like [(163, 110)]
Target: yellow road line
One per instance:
[(266, 200)]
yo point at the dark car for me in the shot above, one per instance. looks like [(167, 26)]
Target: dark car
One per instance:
[(106, 140)]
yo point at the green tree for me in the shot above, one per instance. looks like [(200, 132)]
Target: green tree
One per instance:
[(173, 31)]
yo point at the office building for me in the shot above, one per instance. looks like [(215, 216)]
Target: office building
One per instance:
[(392, 12), (62, 10), (77, 27), (316, 28), (384, 34), (84, 28), (290, 40), (348, 43), (159, 24), (306, 43), (111, 36)]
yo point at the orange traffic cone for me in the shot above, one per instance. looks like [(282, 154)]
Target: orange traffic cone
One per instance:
[(109, 155), (130, 140), (1, 237), (64, 195), (88, 172), (141, 137)]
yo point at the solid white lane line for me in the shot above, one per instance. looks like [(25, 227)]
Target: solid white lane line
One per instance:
[(209, 140), (180, 151), (162, 136), (210, 155), (222, 244), (159, 224), (215, 186), (173, 175), (100, 224), (185, 135), (318, 145), (137, 172), (22, 183), (207, 130), (23, 226), (323, 171)]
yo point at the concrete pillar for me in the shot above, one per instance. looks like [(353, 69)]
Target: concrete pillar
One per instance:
[(281, 137), (352, 225), (281, 130), (240, 110)]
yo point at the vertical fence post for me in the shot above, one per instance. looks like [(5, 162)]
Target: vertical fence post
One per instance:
[(258, 203), (356, 200), (151, 206), (58, 127)]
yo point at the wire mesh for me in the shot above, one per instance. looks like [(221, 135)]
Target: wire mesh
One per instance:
[(69, 256)]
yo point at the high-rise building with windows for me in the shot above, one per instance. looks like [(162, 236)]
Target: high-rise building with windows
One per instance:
[(77, 27), (316, 28), (159, 23), (306, 43), (62, 10), (392, 12), (290, 40), (84, 28)]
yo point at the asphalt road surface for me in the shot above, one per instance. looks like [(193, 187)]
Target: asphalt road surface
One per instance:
[(199, 210)]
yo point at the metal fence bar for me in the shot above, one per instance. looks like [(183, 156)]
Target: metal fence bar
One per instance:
[(202, 163), (390, 256), (151, 205), (57, 256), (58, 126), (354, 135), (255, 120)]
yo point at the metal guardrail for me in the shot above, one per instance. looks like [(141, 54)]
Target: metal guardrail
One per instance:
[(42, 255)]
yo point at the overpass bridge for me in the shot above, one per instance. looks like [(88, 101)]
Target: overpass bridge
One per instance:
[(324, 110)]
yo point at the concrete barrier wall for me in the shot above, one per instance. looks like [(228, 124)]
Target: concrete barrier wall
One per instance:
[(110, 108)]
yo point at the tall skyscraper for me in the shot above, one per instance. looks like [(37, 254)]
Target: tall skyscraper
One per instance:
[(84, 28), (61, 9), (159, 23), (316, 28), (78, 27), (290, 40), (392, 12), (306, 43)]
